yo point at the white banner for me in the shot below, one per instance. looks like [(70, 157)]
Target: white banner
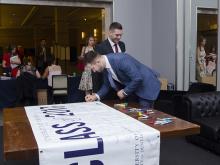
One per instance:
[(91, 134)]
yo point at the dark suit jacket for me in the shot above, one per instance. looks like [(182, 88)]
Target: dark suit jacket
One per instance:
[(135, 76), (40, 56), (106, 48)]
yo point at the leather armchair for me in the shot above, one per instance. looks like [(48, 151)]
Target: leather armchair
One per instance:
[(204, 110), (179, 110)]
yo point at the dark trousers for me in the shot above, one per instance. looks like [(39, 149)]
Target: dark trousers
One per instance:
[(144, 103)]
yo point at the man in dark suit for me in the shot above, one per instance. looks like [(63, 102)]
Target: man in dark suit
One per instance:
[(111, 45), (42, 56), (124, 70)]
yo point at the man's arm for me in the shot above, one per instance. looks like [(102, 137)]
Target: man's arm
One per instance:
[(100, 48), (104, 48), (105, 87), (101, 93), (130, 70)]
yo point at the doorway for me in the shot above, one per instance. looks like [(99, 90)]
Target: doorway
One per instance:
[(62, 26), (204, 42)]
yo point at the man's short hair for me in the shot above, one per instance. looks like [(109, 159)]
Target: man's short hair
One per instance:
[(90, 56), (115, 25)]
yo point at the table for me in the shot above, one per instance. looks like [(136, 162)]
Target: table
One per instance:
[(20, 144), (8, 88), (178, 127)]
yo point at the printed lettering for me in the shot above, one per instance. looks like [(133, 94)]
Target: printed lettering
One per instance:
[(93, 162), (86, 152), (84, 129), (69, 124), (80, 136), (56, 111)]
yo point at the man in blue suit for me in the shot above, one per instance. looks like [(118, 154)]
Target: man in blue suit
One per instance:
[(112, 44), (124, 70)]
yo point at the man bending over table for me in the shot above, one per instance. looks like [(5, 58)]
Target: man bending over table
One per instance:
[(126, 76)]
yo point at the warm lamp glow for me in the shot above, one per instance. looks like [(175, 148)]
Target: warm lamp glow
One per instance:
[(95, 32), (83, 34)]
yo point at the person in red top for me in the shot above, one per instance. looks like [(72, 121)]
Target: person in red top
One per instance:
[(14, 61), (6, 62)]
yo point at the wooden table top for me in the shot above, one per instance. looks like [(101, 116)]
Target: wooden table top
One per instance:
[(20, 144), (178, 127)]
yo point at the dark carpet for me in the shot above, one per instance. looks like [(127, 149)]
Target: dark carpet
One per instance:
[(177, 151)]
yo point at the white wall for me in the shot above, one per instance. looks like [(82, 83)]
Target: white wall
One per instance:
[(136, 19), (150, 32), (164, 38)]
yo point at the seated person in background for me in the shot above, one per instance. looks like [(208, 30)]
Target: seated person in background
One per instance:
[(52, 69), (6, 66), (26, 58), (125, 75), (211, 61), (14, 61), (28, 68), (27, 84)]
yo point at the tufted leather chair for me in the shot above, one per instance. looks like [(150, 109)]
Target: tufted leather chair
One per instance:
[(179, 110), (204, 109)]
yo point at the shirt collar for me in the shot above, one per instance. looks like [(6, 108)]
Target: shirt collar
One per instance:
[(111, 43), (107, 64)]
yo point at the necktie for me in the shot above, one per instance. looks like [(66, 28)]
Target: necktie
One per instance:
[(111, 81), (116, 48)]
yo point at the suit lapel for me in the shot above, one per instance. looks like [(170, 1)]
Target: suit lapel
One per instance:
[(108, 46), (121, 46)]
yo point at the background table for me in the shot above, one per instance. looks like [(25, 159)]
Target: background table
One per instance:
[(19, 141), (8, 91)]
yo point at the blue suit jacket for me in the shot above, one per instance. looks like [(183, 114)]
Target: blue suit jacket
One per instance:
[(135, 76)]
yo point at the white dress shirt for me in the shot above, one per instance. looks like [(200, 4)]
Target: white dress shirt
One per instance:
[(108, 66), (113, 46), (114, 76)]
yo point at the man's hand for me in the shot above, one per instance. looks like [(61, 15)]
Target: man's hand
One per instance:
[(90, 98), (120, 94)]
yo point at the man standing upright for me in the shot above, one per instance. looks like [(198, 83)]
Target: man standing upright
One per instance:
[(112, 44), (42, 56)]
